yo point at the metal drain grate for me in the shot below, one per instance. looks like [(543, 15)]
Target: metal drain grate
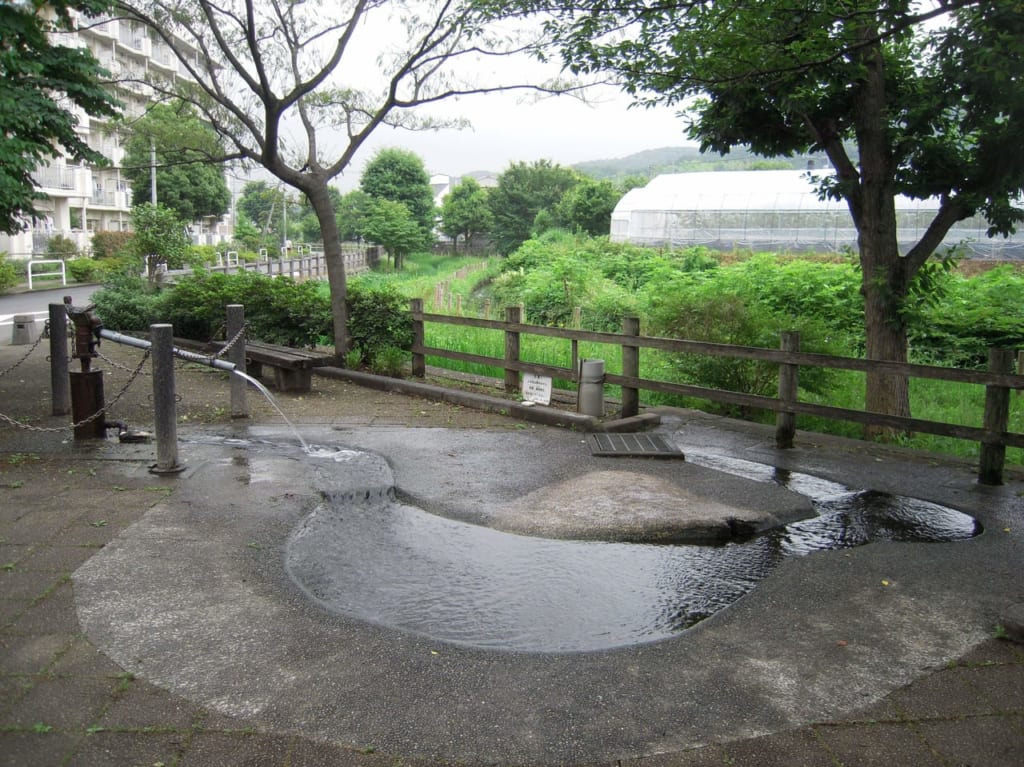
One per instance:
[(632, 445)]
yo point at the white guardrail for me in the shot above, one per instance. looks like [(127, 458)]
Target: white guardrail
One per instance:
[(62, 272)]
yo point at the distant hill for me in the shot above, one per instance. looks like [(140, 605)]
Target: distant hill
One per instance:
[(688, 159)]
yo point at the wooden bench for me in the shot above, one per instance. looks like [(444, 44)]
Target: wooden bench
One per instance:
[(293, 368)]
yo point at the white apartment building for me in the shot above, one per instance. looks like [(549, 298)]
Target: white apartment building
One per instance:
[(81, 198)]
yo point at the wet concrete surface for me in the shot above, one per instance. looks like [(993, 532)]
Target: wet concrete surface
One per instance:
[(152, 619), (824, 636)]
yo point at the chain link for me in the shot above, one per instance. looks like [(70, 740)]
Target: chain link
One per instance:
[(124, 389), (25, 357), (239, 336)]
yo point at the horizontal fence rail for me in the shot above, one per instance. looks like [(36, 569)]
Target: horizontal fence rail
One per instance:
[(993, 435)]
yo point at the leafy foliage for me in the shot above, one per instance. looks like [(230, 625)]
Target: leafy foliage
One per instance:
[(107, 244), (465, 213), (277, 310), (587, 207), (353, 210), (41, 85), (400, 176), (9, 276), (523, 191), (390, 225), (379, 320), (189, 178), (159, 237)]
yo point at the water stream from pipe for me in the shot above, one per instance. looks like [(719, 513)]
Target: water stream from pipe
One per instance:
[(270, 398)]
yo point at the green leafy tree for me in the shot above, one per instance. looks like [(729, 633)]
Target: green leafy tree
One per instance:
[(159, 237), (353, 210), (308, 223), (587, 207), (262, 203), (465, 212), (523, 191), (42, 83), (391, 226), (400, 176), (189, 180), (931, 109)]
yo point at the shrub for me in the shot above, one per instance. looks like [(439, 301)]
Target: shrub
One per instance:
[(389, 361), (126, 303), (83, 269), (106, 244), (277, 310), (9, 276), (378, 318), (62, 247)]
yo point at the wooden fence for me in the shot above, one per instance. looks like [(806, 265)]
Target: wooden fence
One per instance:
[(993, 434)]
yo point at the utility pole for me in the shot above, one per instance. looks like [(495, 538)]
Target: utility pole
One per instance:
[(152, 171)]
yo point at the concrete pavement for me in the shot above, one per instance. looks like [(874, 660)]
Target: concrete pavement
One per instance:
[(151, 620)]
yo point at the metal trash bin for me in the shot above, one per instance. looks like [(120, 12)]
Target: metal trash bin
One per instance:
[(24, 330), (591, 395)]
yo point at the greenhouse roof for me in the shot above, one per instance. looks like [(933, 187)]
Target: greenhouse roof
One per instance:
[(741, 190)]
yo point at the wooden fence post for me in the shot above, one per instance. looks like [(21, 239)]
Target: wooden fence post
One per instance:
[(513, 316), (630, 367), (419, 361), (785, 420), (996, 420)]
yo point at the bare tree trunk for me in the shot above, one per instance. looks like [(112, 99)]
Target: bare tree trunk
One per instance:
[(885, 276), (320, 201), (884, 287)]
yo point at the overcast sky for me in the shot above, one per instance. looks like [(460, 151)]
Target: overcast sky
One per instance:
[(562, 130)]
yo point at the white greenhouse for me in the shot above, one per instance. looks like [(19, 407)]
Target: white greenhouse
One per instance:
[(773, 210)]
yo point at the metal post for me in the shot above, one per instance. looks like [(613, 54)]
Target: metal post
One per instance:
[(236, 354), (60, 389), (165, 416)]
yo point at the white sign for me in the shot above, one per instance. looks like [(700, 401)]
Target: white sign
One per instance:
[(536, 389)]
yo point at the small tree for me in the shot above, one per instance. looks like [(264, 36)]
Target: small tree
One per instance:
[(353, 210), (465, 213), (523, 191), (160, 238), (587, 207), (187, 181), (392, 226), (399, 175)]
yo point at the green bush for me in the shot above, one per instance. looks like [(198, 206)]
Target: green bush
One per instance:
[(711, 310), (277, 310), (389, 361), (62, 247), (126, 302), (106, 244), (378, 318), (976, 314), (83, 269), (9, 276)]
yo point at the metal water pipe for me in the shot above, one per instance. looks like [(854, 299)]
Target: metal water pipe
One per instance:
[(142, 343)]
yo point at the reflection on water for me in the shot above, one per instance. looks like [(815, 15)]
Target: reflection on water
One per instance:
[(399, 566)]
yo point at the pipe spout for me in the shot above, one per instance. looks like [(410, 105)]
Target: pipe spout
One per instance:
[(142, 343)]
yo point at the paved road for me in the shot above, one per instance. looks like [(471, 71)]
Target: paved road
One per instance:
[(37, 303)]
